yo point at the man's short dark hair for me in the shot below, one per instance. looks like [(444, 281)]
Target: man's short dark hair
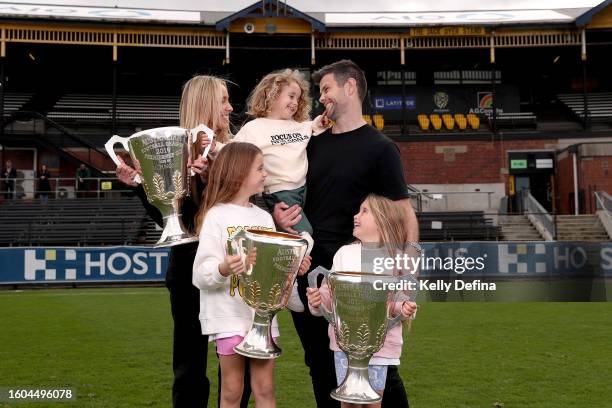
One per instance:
[(343, 70)]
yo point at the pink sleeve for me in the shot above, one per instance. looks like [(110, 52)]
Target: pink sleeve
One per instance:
[(325, 299)]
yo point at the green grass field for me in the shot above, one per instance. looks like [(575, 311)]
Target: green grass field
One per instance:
[(113, 347)]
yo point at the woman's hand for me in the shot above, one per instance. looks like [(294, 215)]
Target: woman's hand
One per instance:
[(314, 297), (305, 265), (125, 173), (205, 141)]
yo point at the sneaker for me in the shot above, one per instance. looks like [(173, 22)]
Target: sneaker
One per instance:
[(306, 235), (295, 303)]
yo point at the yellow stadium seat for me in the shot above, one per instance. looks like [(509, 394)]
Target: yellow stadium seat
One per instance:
[(461, 121), (448, 121), (474, 121), (436, 121), (423, 122), (379, 121), (368, 119)]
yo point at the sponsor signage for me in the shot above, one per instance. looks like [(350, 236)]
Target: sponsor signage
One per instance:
[(394, 102), (82, 264), (445, 259)]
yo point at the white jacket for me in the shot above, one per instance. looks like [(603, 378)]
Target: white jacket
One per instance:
[(223, 312)]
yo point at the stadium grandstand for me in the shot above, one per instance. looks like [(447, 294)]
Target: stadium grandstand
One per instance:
[(502, 113)]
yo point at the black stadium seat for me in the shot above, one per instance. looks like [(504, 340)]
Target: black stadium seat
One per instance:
[(457, 226), (83, 221)]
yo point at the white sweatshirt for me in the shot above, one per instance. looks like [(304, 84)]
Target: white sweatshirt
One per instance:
[(223, 313), (283, 143)]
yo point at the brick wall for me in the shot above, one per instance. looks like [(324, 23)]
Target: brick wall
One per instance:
[(462, 162)]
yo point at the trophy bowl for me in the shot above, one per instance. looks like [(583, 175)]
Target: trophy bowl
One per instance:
[(160, 156), (272, 260)]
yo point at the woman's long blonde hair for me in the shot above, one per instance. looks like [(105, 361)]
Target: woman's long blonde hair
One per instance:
[(226, 176), (269, 88), (201, 103)]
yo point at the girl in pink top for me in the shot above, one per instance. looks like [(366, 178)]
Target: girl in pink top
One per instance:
[(382, 222)]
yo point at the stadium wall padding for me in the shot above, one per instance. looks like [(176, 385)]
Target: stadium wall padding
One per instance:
[(25, 265)]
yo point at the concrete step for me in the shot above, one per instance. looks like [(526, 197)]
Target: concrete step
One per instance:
[(522, 238), (582, 238)]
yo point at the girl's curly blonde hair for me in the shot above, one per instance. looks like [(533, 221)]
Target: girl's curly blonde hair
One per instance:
[(270, 87)]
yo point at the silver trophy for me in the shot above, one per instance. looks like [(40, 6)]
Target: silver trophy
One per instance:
[(360, 318), (160, 155), (272, 260)]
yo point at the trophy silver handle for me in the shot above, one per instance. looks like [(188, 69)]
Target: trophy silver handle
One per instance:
[(208, 131), (193, 137), (313, 276), (235, 247), (110, 149), (397, 319)]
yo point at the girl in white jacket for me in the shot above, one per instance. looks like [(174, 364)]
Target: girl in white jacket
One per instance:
[(236, 175)]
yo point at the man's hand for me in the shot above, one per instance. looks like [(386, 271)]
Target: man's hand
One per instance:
[(286, 217)]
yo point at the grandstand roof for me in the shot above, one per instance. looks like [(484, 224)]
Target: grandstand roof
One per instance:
[(328, 13)]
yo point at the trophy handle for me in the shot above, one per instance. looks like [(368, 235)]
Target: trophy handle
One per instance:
[(193, 137), (313, 276), (235, 247), (109, 146), (208, 131), (397, 319)]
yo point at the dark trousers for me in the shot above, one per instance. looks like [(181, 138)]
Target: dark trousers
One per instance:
[(191, 387), (312, 331)]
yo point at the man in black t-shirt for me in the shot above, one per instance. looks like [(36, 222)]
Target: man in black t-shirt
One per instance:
[(345, 164)]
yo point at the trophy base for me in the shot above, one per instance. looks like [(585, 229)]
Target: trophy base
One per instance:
[(356, 387), (258, 342), (174, 233), (176, 240)]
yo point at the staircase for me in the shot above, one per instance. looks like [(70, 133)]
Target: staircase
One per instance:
[(580, 228), (517, 228)]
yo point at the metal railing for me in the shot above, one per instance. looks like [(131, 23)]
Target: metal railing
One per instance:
[(603, 201), (604, 210), (539, 216), (444, 197), (63, 187)]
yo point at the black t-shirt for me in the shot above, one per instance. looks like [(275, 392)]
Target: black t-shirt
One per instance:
[(343, 169)]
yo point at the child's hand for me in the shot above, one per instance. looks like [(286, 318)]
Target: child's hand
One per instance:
[(305, 265), (232, 265), (320, 124), (314, 297), (408, 309)]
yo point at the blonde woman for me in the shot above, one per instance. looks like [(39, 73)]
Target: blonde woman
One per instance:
[(204, 100)]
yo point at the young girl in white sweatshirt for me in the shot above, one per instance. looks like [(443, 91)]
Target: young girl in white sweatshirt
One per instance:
[(236, 175)]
